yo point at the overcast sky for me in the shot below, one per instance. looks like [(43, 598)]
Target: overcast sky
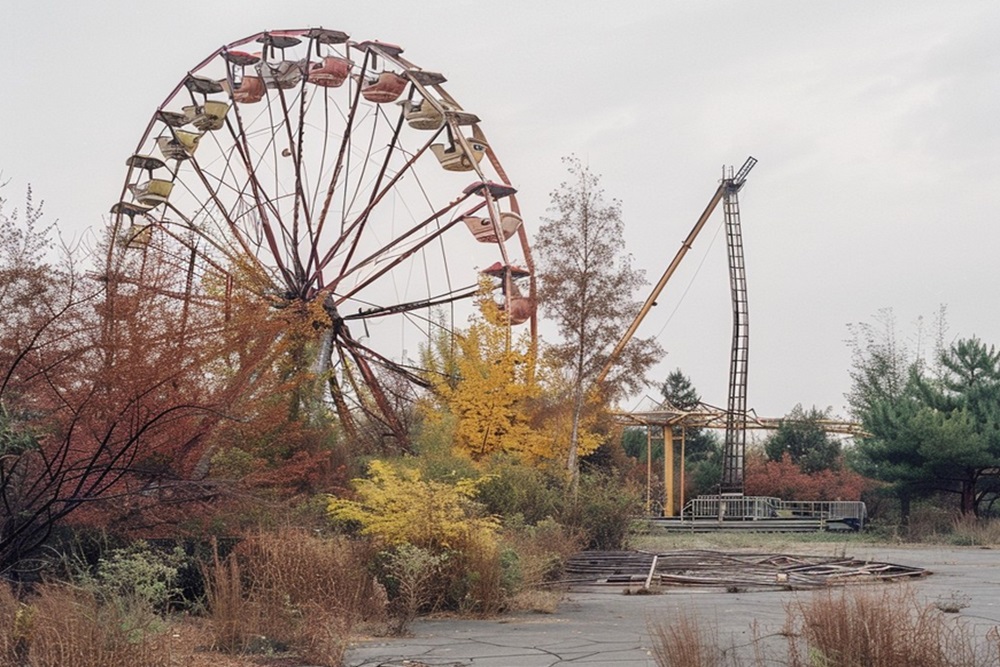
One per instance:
[(875, 127)]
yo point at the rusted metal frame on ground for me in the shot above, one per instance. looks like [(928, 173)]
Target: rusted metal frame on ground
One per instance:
[(718, 569)]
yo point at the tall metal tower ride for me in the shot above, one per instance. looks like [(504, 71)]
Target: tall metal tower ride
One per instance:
[(733, 460), (736, 412)]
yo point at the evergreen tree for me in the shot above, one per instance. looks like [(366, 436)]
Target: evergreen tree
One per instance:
[(679, 391), (930, 429), (801, 435)]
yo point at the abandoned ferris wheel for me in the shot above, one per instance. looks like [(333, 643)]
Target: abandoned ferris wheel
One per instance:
[(304, 167)]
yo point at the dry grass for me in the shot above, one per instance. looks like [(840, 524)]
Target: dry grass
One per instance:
[(71, 627), (686, 642), (13, 618), (542, 550), (885, 627), (537, 601), (234, 618), (974, 531), (292, 590)]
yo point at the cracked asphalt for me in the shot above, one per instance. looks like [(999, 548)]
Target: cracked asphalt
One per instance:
[(601, 626)]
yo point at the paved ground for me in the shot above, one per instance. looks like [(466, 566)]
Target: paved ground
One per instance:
[(603, 627)]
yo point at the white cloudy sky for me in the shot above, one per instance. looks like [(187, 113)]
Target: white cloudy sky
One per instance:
[(875, 125)]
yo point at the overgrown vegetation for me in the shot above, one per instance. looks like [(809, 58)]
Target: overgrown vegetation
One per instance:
[(122, 409), (292, 590), (931, 418), (304, 520), (886, 626)]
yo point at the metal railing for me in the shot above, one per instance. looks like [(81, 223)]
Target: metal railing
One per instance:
[(751, 508)]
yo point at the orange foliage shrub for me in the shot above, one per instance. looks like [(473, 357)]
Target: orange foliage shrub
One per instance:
[(784, 479)]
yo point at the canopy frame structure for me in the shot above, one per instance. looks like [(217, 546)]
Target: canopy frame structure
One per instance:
[(667, 417)]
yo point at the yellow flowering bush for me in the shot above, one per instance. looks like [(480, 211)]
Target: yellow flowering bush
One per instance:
[(396, 506)]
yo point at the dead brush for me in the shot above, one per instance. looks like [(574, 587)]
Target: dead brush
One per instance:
[(542, 550), (887, 627), (685, 642), (974, 531), (293, 589), (537, 601), (235, 619), (70, 626), (14, 621)]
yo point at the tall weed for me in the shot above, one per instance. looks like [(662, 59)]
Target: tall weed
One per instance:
[(974, 531), (14, 619), (884, 627), (72, 626), (412, 571), (685, 642), (295, 590), (541, 550), (888, 627)]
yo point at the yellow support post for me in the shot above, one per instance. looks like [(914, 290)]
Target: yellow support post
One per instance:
[(668, 471), (683, 438), (649, 468)]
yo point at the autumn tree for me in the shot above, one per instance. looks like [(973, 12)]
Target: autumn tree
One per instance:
[(108, 388), (485, 384), (77, 420), (784, 479), (586, 286)]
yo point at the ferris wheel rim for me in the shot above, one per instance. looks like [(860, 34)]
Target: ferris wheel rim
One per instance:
[(274, 250)]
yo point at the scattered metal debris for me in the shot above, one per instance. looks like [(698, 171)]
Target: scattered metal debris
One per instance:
[(728, 571)]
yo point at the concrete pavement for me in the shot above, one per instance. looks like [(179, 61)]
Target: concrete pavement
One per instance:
[(601, 626)]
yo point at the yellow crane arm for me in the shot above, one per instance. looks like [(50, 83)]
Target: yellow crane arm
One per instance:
[(685, 246), (726, 184)]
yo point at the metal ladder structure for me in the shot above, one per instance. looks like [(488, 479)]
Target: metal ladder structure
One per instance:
[(734, 450), (736, 413)]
